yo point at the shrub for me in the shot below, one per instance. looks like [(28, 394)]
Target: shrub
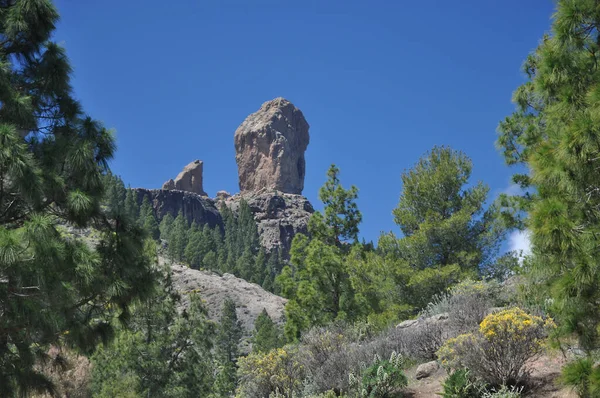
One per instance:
[(503, 392), (381, 378), (498, 351), (466, 304), (461, 384), (277, 371), (422, 340)]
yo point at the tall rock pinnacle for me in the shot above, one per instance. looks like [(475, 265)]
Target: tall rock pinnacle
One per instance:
[(270, 146), (190, 179)]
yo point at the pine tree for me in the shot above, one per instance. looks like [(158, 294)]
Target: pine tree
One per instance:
[(164, 353), (260, 266), (231, 239), (555, 133), (178, 237), (266, 335), (448, 233), (245, 265), (147, 219), (227, 349), (317, 283), (54, 287), (247, 230), (165, 226), (115, 193), (192, 251), (132, 209)]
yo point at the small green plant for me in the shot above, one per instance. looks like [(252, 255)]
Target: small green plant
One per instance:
[(381, 379), (583, 376), (461, 384)]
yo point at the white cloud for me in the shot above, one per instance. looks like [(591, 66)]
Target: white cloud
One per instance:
[(520, 241), (513, 189)]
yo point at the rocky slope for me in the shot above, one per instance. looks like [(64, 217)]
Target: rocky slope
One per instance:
[(250, 299)]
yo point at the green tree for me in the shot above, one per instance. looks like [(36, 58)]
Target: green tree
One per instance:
[(555, 133), (227, 349), (163, 352), (317, 282), (178, 236), (448, 232), (115, 192), (192, 251), (266, 335), (165, 226), (147, 219), (132, 209), (54, 287)]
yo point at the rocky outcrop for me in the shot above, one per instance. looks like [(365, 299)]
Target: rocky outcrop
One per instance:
[(279, 217), (270, 146), (250, 299), (193, 206), (189, 180)]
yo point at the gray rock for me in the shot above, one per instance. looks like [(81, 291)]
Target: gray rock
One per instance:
[(426, 369), (250, 299), (189, 180), (279, 217), (408, 323), (193, 206), (270, 146)]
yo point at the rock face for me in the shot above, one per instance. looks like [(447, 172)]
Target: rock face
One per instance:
[(193, 206), (270, 147), (189, 180), (250, 299), (279, 217)]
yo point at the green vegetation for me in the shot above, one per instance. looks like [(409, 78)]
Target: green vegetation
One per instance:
[(54, 288)]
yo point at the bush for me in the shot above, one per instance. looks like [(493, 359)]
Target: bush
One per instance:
[(275, 372), (466, 304), (503, 392), (498, 351), (461, 384), (381, 378)]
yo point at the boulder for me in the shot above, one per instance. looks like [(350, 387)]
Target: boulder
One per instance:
[(189, 180), (426, 369), (270, 146)]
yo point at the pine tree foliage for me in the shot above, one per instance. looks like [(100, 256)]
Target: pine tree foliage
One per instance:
[(266, 335), (229, 334), (555, 132), (54, 288), (317, 282), (162, 353)]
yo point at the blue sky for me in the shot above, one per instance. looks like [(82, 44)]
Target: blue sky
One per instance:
[(380, 83)]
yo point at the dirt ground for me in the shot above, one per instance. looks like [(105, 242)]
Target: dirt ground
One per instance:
[(543, 379)]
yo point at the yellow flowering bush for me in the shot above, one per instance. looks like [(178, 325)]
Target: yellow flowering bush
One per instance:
[(262, 374), (498, 352)]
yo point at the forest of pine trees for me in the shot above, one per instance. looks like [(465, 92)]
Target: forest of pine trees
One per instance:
[(233, 249)]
